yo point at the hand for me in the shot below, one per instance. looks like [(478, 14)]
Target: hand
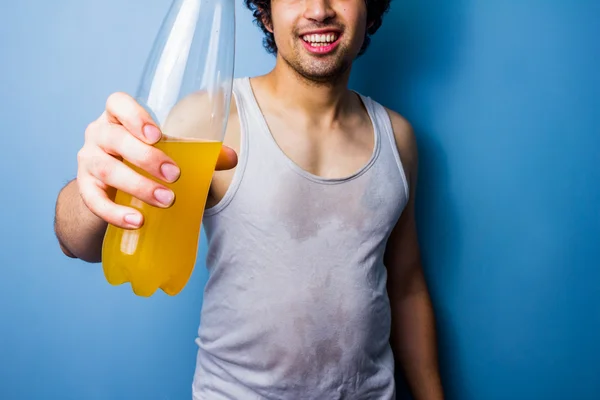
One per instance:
[(125, 131)]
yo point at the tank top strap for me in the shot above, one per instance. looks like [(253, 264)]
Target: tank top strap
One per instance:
[(383, 124), (252, 122), (240, 97)]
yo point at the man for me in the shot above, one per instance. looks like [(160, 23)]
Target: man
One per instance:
[(316, 289)]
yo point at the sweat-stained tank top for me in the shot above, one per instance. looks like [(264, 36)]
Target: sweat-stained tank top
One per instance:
[(295, 306)]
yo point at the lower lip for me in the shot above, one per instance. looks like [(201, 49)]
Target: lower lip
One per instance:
[(321, 49)]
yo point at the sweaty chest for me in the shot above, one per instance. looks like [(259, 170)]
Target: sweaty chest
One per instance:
[(303, 207), (336, 156)]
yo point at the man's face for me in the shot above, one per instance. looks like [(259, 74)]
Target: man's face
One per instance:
[(319, 38)]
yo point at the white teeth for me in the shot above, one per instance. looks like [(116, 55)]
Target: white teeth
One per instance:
[(320, 40)]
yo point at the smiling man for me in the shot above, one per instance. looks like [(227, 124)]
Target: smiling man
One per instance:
[(316, 289)]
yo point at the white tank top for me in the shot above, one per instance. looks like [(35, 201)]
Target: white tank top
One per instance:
[(296, 305)]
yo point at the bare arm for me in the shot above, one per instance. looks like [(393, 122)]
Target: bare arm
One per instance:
[(125, 131), (413, 337), (79, 231), (86, 205)]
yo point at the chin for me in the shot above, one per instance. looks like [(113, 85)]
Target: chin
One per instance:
[(322, 76), (317, 68)]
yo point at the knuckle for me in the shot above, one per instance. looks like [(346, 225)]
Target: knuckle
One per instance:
[(144, 115), (140, 154), (103, 170), (136, 119), (112, 138), (90, 129), (95, 133), (135, 112), (148, 156), (119, 141), (81, 156), (114, 98), (103, 136), (81, 160), (139, 185), (142, 187)]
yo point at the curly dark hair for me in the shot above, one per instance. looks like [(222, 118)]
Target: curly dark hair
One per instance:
[(261, 10)]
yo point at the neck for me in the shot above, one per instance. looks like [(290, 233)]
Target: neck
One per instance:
[(318, 101)]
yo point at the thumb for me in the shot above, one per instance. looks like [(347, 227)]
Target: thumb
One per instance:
[(227, 159)]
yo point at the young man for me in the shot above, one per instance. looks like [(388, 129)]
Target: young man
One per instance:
[(316, 289)]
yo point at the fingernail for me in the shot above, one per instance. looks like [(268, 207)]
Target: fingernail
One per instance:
[(165, 197), (152, 133), (170, 171), (133, 219)]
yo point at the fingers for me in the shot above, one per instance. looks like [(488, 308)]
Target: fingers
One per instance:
[(123, 109), (119, 146), (227, 159), (114, 173), (117, 141), (96, 199)]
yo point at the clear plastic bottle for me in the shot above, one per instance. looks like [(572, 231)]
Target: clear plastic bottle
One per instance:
[(186, 87)]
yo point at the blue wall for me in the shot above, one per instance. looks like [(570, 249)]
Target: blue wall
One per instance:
[(503, 97)]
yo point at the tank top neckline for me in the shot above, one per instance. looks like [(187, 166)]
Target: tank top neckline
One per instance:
[(266, 133)]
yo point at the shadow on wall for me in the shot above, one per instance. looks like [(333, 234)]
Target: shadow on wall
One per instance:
[(410, 60)]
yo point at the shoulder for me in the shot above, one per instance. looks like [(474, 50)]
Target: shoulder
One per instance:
[(405, 142), (199, 109), (201, 104)]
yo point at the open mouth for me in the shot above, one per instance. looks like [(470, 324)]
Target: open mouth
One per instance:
[(321, 43)]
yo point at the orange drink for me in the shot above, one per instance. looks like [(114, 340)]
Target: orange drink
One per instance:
[(162, 253)]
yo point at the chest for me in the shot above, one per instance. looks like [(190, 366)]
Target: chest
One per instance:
[(323, 153), (332, 152), (283, 203)]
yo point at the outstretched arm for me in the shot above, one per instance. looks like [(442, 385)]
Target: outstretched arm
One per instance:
[(86, 205)]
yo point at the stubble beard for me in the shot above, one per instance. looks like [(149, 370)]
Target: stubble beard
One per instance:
[(317, 71)]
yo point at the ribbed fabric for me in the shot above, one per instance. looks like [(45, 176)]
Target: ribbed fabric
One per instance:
[(296, 306)]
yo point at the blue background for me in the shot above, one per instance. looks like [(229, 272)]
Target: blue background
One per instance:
[(504, 97)]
